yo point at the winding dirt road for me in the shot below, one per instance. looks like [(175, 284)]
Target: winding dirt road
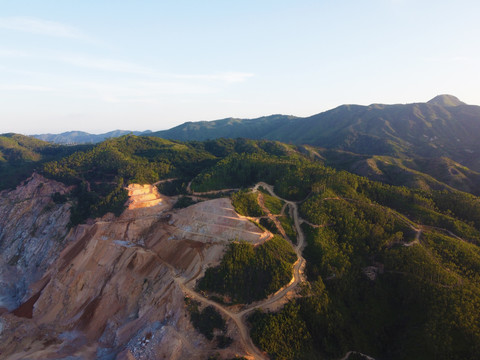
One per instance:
[(239, 317), (212, 192), (299, 265)]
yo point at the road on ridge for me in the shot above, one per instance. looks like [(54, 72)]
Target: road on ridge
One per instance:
[(299, 265)]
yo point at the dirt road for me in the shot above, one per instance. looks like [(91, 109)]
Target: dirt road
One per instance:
[(212, 192), (236, 317), (240, 317), (270, 216), (300, 264)]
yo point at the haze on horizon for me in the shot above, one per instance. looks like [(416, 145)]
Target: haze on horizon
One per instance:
[(99, 66)]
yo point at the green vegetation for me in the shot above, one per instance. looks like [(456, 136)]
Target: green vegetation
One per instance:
[(246, 204), (135, 159), (95, 201), (415, 172), (273, 204), (172, 188), (206, 320), (289, 227), (434, 130), (249, 273), (183, 202), (283, 335), (293, 176), (59, 198), (224, 341), (356, 356), (364, 223), (421, 294), (217, 357), (101, 172), (21, 155), (429, 207), (269, 225)]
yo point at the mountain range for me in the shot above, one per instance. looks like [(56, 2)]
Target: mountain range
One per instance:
[(441, 127), (81, 137), (444, 126), (424, 145)]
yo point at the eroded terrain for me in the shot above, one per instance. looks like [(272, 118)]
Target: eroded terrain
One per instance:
[(112, 288)]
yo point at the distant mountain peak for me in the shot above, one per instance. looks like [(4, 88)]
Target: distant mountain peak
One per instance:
[(446, 100)]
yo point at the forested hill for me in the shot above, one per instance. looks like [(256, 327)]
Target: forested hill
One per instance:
[(20, 155), (444, 126), (259, 128), (81, 137)]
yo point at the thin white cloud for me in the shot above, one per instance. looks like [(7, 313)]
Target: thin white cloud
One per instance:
[(23, 87), (41, 27), (105, 64), (120, 66), (176, 88), (452, 59), (12, 53), (140, 92), (231, 77), (114, 65)]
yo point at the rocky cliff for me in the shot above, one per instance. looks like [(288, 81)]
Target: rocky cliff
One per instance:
[(32, 234), (111, 288)]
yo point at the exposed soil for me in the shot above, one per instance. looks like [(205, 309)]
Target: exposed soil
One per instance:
[(116, 281)]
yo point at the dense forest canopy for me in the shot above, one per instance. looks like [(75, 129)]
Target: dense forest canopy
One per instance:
[(21, 155), (249, 273)]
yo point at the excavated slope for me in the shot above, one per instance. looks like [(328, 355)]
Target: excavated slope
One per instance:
[(32, 233), (113, 290)]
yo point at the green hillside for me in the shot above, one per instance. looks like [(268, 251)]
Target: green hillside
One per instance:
[(417, 172), (367, 290), (81, 137), (259, 128), (21, 155), (442, 127)]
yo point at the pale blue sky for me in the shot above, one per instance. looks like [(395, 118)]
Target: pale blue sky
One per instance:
[(103, 65)]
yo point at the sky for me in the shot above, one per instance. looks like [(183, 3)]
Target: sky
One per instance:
[(101, 65)]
